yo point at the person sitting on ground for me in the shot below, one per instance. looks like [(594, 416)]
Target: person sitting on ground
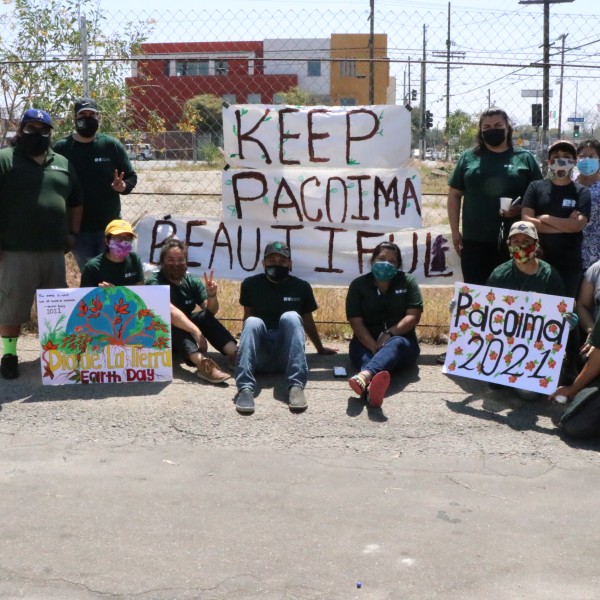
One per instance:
[(118, 265), (278, 311), (383, 308), (188, 327)]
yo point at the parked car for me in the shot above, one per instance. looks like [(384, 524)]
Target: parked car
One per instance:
[(140, 151)]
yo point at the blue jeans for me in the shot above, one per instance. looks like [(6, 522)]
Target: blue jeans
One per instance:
[(280, 350), (88, 245), (397, 353)]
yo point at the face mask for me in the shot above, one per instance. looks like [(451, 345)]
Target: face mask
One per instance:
[(588, 166), (523, 255), (277, 273), (493, 137), (86, 126), (383, 270), (34, 144), (174, 272), (561, 167), (120, 249)]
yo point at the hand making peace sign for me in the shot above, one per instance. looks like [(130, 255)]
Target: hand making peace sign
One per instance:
[(118, 184), (211, 285)]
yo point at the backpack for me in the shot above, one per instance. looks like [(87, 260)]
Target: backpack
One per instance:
[(582, 417)]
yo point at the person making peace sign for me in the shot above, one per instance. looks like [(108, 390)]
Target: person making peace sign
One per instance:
[(189, 327)]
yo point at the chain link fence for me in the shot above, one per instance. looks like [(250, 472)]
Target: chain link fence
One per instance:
[(161, 77)]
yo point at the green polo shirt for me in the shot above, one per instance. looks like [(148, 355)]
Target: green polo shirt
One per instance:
[(269, 300), (34, 200), (545, 281), (484, 179), (187, 295), (95, 163), (382, 310), (101, 268)]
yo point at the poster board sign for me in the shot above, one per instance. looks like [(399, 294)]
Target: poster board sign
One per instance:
[(269, 136), (323, 254), (105, 335), (508, 337)]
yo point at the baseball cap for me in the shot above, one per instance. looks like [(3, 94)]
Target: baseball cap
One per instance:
[(86, 104), (35, 114), (563, 145), (523, 227), (277, 248), (117, 227)]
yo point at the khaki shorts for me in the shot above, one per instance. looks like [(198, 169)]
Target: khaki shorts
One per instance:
[(21, 274)]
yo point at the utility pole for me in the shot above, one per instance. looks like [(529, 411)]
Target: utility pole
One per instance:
[(372, 55), (84, 56), (562, 71), (423, 96), (546, 65)]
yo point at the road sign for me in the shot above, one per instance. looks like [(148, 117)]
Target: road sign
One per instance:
[(534, 93), (576, 119)]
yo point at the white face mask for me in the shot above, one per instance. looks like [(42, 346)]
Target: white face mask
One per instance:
[(561, 167)]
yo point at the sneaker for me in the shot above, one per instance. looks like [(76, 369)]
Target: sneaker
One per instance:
[(9, 366), (296, 399), (209, 371), (440, 359), (245, 401), (377, 389)]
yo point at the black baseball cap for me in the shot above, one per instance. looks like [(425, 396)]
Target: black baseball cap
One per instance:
[(86, 104), (277, 248)]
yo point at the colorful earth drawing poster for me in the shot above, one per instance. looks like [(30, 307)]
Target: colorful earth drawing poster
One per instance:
[(105, 335), (508, 337)]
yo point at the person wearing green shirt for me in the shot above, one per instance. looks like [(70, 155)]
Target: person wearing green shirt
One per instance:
[(118, 265), (105, 173), (40, 214), (383, 308)]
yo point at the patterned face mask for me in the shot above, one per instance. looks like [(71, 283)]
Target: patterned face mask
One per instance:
[(561, 167), (525, 254), (121, 249)]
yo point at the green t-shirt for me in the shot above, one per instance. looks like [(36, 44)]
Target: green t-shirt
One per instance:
[(380, 311), (101, 268), (484, 179), (34, 200), (269, 300), (545, 281), (187, 295), (95, 163)]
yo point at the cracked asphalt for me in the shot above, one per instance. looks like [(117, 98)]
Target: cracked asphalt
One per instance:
[(162, 491)]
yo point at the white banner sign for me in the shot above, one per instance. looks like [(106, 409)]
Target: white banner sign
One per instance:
[(105, 335), (322, 254), (257, 136), (508, 337), (388, 197)]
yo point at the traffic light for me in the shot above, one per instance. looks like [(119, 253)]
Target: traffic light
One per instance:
[(413, 95), (536, 115), (575, 131), (428, 119)]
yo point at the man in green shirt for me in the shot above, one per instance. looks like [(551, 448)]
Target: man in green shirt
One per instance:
[(105, 173), (40, 214), (278, 311)]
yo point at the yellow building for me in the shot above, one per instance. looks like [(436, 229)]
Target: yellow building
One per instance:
[(350, 70)]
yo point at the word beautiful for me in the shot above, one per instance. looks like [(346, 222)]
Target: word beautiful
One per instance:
[(508, 337), (265, 135), (326, 255)]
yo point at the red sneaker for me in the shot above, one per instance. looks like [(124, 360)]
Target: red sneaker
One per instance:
[(377, 389)]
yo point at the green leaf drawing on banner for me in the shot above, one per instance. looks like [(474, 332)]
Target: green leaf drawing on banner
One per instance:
[(233, 155), (244, 111), (228, 182), (235, 130), (232, 210), (265, 199), (353, 162)]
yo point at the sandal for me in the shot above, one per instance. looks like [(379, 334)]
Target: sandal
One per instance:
[(377, 389), (358, 384)]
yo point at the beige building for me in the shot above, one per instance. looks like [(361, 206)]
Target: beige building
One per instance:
[(350, 70)]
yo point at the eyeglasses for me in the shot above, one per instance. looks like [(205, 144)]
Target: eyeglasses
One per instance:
[(43, 131)]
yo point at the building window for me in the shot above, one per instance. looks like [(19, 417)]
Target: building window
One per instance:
[(347, 101), (279, 98), (314, 68), (348, 68), (254, 98), (221, 67), (229, 98), (191, 67)]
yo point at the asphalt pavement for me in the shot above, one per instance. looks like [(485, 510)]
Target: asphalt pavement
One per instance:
[(162, 491)]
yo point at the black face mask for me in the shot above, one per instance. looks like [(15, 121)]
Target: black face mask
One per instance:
[(34, 144), (86, 126), (277, 273), (493, 137)]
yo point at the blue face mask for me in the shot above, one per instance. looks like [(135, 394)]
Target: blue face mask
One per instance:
[(588, 166), (384, 270)]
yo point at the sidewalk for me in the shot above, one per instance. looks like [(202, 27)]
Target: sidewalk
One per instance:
[(164, 492)]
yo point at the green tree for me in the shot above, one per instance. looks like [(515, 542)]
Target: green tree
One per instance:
[(462, 130), (41, 61), (297, 97), (203, 114)]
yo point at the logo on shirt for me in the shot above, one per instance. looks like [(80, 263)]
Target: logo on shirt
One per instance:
[(400, 291), (101, 159), (290, 299), (569, 203)]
